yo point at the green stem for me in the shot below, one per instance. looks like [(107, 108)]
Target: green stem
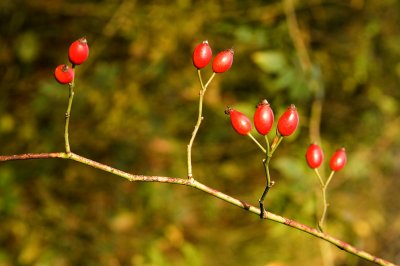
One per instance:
[(319, 177), (256, 141), (275, 143), (270, 151), (198, 123), (71, 87), (269, 182), (200, 79), (266, 164), (325, 201), (209, 80), (329, 178), (268, 185)]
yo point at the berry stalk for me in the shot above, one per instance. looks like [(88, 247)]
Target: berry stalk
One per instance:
[(269, 183), (324, 187), (71, 87), (337, 162), (256, 142), (268, 155), (270, 152), (198, 123)]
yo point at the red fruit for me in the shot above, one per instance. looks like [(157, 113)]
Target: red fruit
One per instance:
[(223, 61), (78, 51), (338, 160), (64, 74), (314, 156), (263, 117), (202, 55), (288, 121), (240, 122)]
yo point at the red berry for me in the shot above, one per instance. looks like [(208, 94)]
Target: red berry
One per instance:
[(338, 160), (263, 117), (78, 51), (64, 74), (288, 121), (314, 156), (240, 122), (202, 55), (223, 61)]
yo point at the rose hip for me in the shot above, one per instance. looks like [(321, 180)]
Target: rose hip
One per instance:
[(223, 61), (263, 118), (338, 160), (314, 156), (78, 51), (240, 122), (202, 55), (64, 74), (288, 121)]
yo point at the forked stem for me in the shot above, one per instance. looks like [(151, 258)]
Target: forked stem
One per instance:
[(324, 186), (270, 151), (198, 123)]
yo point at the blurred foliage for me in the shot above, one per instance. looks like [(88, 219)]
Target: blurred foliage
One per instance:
[(135, 108)]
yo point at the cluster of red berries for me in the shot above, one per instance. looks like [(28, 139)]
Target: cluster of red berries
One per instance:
[(264, 119), (315, 156), (202, 55), (78, 53)]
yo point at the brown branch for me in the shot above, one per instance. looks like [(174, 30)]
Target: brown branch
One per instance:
[(200, 186), (28, 156)]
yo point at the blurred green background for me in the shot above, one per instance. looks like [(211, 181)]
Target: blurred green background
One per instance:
[(135, 108)]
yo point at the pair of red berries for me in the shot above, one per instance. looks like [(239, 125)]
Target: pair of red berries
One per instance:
[(202, 55), (78, 53), (264, 119), (315, 156)]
